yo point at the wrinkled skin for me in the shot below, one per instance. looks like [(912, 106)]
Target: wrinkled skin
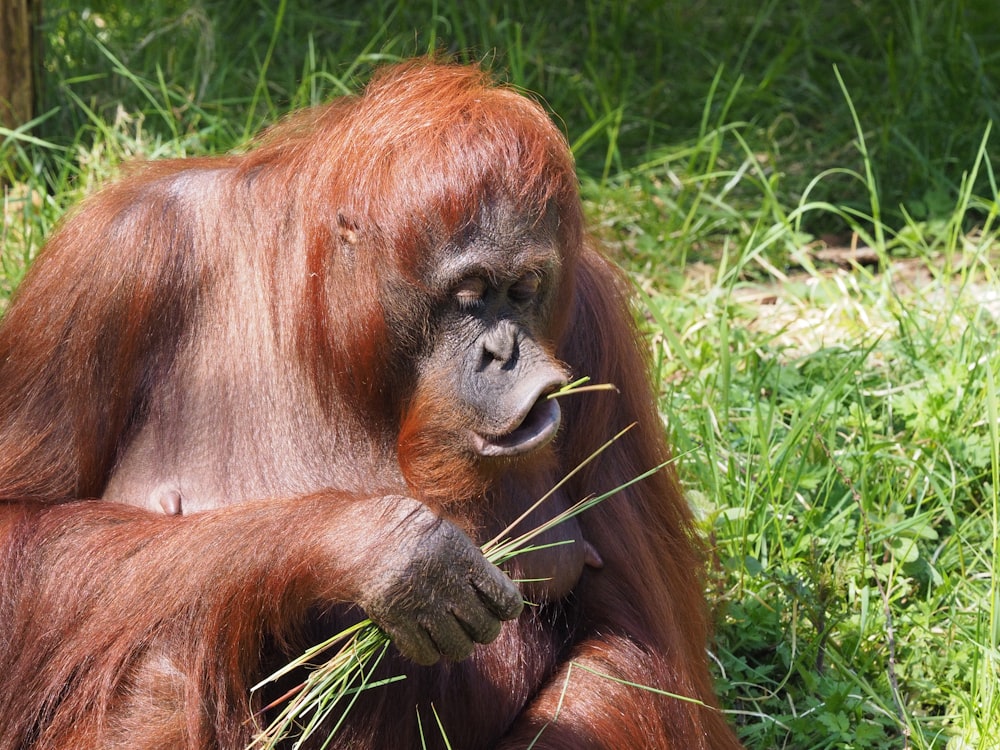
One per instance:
[(436, 595)]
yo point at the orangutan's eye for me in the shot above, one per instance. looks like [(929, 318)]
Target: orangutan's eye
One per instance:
[(525, 289), (469, 293)]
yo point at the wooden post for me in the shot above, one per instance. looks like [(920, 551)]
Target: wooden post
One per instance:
[(17, 60)]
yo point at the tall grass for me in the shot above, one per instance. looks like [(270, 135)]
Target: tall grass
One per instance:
[(844, 421), (806, 197), (628, 78)]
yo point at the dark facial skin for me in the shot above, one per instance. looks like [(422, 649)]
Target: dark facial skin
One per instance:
[(496, 293)]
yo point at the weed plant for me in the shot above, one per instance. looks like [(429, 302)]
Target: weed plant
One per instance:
[(805, 195)]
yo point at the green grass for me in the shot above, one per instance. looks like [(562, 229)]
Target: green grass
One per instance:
[(837, 423), (847, 475)]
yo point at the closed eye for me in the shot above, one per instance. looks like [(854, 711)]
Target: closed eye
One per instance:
[(525, 289), (469, 292)]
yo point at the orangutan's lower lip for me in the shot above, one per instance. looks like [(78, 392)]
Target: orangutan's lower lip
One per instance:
[(537, 428)]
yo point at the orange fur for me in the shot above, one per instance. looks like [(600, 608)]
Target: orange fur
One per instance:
[(249, 322)]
